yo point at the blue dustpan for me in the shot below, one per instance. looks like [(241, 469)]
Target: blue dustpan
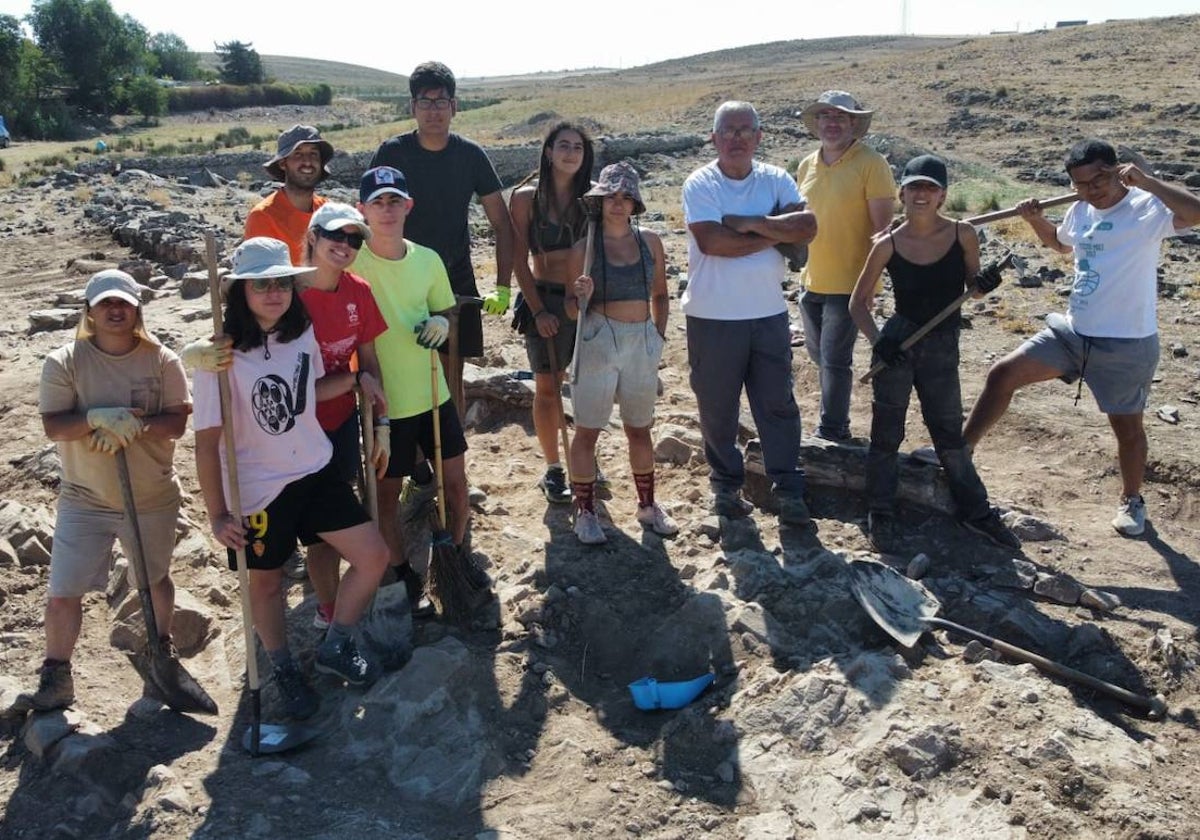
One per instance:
[(650, 694)]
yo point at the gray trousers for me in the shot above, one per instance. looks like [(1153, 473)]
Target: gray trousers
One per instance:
[(755, 354)]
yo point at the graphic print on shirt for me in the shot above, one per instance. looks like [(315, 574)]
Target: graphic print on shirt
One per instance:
[(1087, 280), (336, 354), (276, 403), (352, 314)]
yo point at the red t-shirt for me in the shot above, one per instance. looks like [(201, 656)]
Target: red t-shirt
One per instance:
[(342, 320)]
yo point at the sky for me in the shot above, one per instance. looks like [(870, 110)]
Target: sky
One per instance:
[(504, 37)]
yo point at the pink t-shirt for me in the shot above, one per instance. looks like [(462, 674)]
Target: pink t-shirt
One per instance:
[(342, 320)]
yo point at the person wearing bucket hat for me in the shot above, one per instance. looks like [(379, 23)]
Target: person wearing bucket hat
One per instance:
[(620, 345), (113, 388), (548, 218), (737, 209), (289, 488), (931, 259), (300, 162), (1108, 336), (445, 171), (850, 188)]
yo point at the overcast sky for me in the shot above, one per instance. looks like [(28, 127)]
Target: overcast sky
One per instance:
[(501, 37)]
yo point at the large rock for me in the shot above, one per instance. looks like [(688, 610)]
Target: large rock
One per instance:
[(192, 627)]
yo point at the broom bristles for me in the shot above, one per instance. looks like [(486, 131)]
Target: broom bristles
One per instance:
[(448, 585)]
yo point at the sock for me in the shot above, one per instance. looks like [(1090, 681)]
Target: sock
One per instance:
[(337, 634), (645, 488), (326, 610), (281, 657), (585, 494), (557, 465), (50, 663)]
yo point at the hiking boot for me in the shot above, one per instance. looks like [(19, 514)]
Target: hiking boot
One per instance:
[(657, 520), (414, 586), (56, 689), (299, 700), (1131, 516), (993, 529), (343, 660), (883, 531), (295, 567), (323, 617), (793, 511), (588, 530), (730, 503), (554, 485)]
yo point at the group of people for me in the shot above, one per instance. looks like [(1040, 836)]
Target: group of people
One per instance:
[(325, 299)]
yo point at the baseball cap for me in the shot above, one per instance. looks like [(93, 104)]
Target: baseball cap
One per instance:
[(380, 180), (112, 283), (333, 215), (929, 168)]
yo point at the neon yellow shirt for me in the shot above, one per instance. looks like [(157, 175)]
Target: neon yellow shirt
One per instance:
[(838, 195)]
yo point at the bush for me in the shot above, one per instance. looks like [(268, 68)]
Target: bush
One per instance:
[(199, 98), (956, 204)]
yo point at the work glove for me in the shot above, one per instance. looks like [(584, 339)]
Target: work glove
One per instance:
[(102, 440), (887, 348), (121, 422), (497, 302), (989, 278), (432, 332), (208, 354), (382, 452)]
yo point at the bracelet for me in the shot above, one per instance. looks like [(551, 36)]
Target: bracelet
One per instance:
[(382, 421), (358, 378), (539, 313)]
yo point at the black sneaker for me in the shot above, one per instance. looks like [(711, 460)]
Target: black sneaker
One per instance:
[(343, 660), (554, 485), (994, 530), (299, 699), (883, 530)]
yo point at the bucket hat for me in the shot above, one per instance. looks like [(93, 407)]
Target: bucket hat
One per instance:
[(288, 142), (842, 101), (617, 178)]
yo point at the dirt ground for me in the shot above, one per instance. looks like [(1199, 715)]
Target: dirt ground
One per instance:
[(813, 723)]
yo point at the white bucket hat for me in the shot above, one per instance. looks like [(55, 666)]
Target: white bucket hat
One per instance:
[(842, 101), (262, 256)]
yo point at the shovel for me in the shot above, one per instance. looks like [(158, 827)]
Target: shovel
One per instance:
[(905, 609), (259, 738), (552, 355), (166, 678)]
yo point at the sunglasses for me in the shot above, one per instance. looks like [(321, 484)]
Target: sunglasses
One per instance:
[(262, 285), (354, 240)]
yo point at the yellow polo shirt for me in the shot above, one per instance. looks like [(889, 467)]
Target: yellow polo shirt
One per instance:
[(838, 195)]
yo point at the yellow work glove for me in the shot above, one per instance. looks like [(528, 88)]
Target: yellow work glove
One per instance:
[(209, 354), (123, 423), (497, 302), (102, 440), (382, 452)]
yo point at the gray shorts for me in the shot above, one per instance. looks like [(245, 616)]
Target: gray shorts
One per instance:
[(1117, 370), (81, 557), (564, 340), (618, 360)]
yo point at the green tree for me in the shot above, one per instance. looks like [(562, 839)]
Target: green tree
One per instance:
[(10, 61), (174, 58), (147, 96), (240, 64)]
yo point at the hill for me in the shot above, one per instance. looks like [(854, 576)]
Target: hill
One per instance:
[(342, 77)]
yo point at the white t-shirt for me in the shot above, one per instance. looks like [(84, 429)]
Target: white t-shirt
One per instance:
[(1116, 262), (735, 288), (277, 437)]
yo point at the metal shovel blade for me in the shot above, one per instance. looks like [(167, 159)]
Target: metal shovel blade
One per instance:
[(167, 681), (277, 738), (900, 606)]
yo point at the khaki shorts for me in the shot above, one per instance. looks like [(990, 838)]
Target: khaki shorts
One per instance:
[(81, 558), (618, 361)]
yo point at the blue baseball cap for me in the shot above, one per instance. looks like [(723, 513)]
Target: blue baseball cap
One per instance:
[(380, 180)]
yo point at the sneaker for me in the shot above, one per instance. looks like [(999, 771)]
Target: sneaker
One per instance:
[(657, 520), (554, 485), (56, 689), (588, 530), (883, 531), (295, 567), (323, 617), (793, 511), (299, 699), (994, 530), (1131, 516), (731, 504), (926, 455), (343, 660)]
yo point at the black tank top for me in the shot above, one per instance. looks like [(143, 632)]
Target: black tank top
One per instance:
[(923, 291), (549, 236)]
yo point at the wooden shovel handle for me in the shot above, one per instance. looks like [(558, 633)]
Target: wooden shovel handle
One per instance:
[(999, 215), (573, 369)]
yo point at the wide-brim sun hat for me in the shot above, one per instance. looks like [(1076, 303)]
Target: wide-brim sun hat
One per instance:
[(617, 178), (263, 256), (333, 215), (842, 101), (292, 139)]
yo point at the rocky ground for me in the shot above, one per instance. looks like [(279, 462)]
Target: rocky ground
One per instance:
[(520, 724)]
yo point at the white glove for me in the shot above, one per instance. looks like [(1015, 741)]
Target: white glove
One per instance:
[(432, 332), (102, 440), (123, 423), (209, 354)]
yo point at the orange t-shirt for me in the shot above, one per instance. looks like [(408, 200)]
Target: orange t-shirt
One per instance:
[(275, 216)]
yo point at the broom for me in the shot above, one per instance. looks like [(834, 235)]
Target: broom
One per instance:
[(448, 585)]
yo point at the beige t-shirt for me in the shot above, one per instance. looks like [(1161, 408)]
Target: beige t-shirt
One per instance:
[(79, 377)]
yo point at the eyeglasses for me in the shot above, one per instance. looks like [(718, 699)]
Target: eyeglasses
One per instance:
[(354, 240), (743, 133), (839, 117), (424, 103), (262, 285), (1099, 182)]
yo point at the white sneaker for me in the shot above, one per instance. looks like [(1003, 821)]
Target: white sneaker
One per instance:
[(588, 530), (658, 520), (1131, 516)]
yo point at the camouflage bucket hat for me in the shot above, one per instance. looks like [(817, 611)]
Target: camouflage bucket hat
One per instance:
[(617, 178)]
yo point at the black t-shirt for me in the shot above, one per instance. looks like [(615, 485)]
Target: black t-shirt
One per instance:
[(442, 185)]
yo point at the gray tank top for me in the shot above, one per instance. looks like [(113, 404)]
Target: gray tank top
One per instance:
[(623, 282)]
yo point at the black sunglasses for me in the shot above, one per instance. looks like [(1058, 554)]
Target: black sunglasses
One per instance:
[(354, 240), (262, 285)]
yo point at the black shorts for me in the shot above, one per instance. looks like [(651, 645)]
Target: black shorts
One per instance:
[(347, 456), (318, 503), (554, 299), (411, 433), (470, 331)]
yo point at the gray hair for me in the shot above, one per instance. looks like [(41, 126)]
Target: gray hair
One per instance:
[(734, 106)]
